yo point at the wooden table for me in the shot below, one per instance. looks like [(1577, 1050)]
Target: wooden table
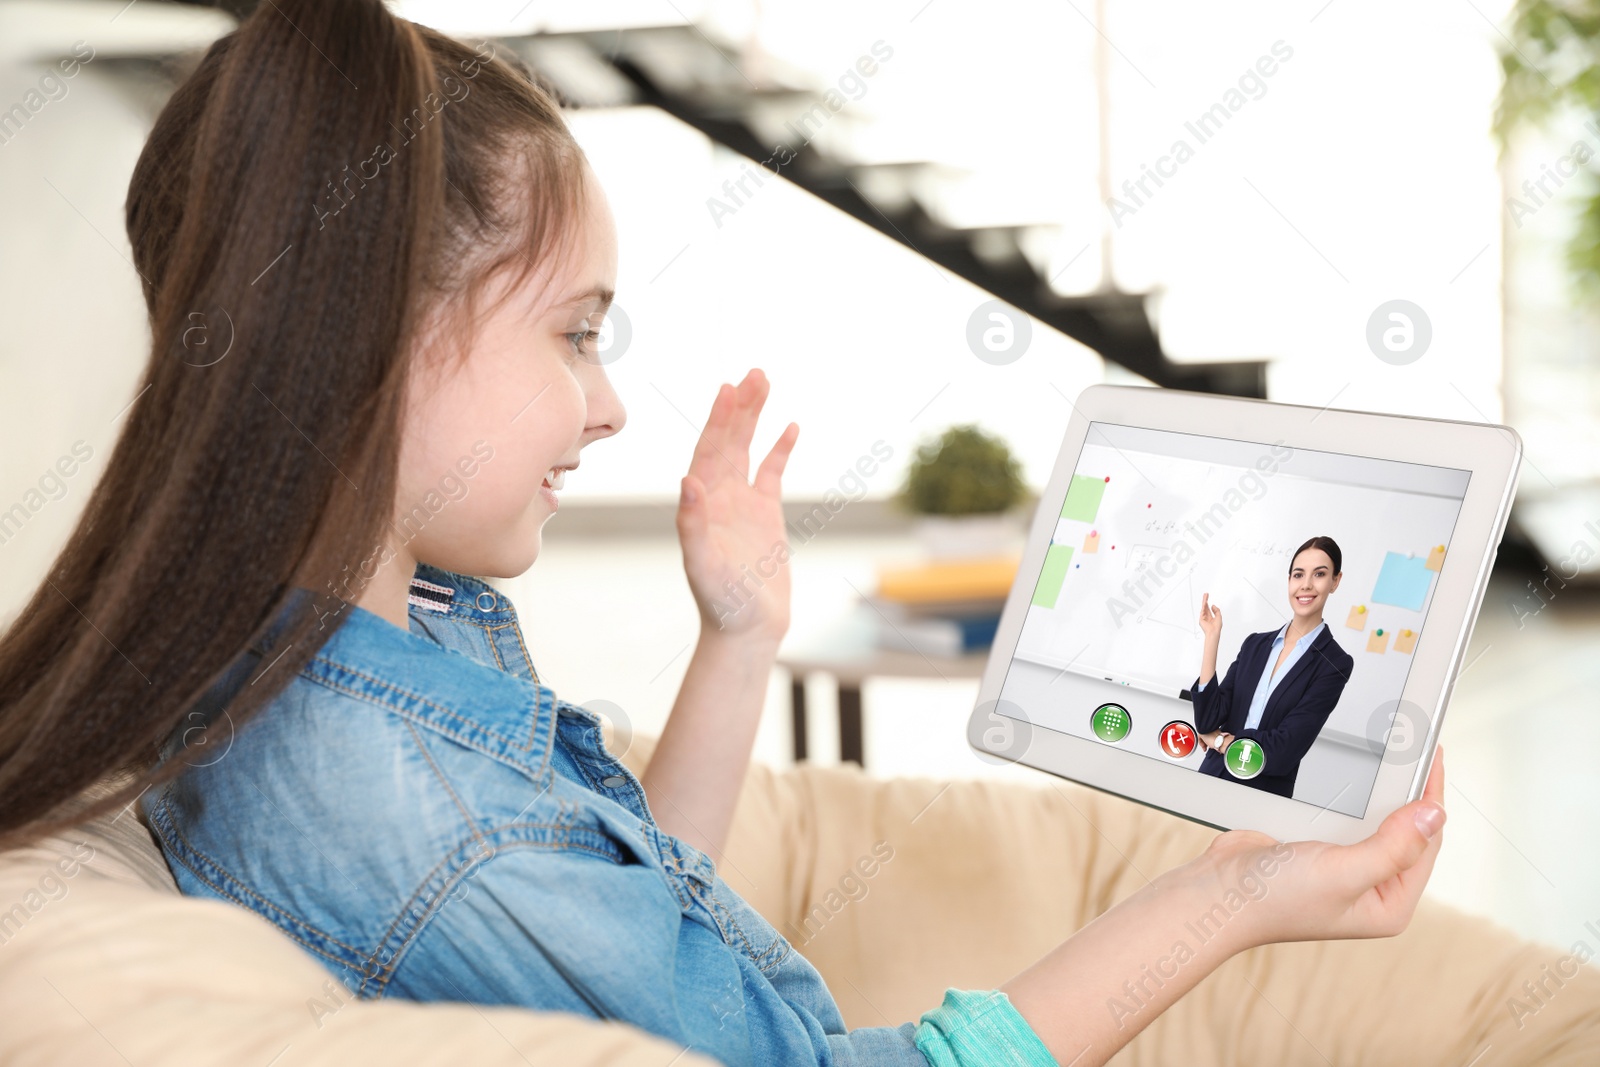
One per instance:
[(848, 651)]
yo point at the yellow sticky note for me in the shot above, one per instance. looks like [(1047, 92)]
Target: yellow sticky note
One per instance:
[(1357, 619), (1091, 543), (1378, 641), (1435, 558), (1405, 641)]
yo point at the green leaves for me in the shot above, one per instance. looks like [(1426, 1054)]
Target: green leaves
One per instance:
[(1550, 66), (964, 472)]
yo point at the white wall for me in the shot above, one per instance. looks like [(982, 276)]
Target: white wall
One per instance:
[(74, 337), (1389, 176)]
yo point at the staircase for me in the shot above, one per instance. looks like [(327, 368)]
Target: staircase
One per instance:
[(680, 70)]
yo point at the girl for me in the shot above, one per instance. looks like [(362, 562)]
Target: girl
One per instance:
[(375, 260), (1260, 722)]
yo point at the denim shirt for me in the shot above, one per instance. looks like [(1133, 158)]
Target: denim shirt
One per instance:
[(430, 822)]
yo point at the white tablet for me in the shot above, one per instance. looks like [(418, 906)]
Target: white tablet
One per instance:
[(1344, 554)]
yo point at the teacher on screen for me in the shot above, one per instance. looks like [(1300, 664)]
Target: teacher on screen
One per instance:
[(1282, 686)]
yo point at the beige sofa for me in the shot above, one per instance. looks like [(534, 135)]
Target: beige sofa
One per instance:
[(101, 961)]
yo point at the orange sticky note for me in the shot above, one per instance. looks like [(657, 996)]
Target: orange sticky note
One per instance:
[(1405, 641), (1378, 641), (1435, 558), (1091, 543), (1357, 619)]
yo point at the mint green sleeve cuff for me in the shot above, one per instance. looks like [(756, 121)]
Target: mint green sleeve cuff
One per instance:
[(979, 1029)]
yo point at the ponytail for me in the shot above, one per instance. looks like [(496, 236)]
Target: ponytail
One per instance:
[(302, 202)]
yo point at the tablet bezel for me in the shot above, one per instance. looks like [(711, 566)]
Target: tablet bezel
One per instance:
[(1491, 452)]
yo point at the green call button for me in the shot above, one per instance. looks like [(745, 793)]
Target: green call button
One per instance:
[(1111, 723)]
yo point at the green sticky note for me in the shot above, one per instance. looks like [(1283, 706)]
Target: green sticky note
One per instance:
[(1083, 498), (1057, 558)]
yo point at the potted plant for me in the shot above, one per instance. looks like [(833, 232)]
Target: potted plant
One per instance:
[(964, 488)]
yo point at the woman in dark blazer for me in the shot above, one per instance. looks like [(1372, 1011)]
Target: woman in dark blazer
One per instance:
[(1284, 683)]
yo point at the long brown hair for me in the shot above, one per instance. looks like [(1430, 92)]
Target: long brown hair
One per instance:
[(327, 177)]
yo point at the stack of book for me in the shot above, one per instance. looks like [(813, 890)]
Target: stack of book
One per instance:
[(943, 608)]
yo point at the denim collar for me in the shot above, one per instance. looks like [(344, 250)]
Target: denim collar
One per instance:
[(494, 711), (438, 593)]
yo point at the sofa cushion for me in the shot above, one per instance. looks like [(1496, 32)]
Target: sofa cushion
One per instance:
[(103, 961)]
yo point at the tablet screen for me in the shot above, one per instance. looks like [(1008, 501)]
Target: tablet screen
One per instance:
[(1318, 569)]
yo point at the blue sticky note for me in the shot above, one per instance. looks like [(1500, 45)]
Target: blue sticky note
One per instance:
[(1402, 581)]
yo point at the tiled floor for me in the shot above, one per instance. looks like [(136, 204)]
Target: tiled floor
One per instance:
[(612, 620)]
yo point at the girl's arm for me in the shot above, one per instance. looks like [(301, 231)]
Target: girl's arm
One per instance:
[(699, 763), (736, 557), (1090, 996)]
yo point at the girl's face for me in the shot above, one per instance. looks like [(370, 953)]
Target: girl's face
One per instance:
[(482, 443), (1311, 581)]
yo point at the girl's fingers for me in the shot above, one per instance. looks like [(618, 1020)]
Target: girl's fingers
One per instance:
[(1401, 841), (1433, 789), (769, 478), (692, 520), (752, 397), (708, 449), (692, 514), (739, 423), (731, 427)]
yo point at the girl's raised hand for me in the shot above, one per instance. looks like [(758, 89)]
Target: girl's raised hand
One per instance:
[(735, 546)]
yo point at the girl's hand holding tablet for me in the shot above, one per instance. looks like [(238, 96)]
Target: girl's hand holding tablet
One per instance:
[(1244, 891), (1368, 889)]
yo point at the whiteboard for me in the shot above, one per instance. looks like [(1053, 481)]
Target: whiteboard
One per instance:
[(1168, 528)]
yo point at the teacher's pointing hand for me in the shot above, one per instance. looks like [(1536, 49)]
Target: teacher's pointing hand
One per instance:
[(1210, 618)]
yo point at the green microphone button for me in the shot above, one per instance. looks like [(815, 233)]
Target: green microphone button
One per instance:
[(1245, 758)]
